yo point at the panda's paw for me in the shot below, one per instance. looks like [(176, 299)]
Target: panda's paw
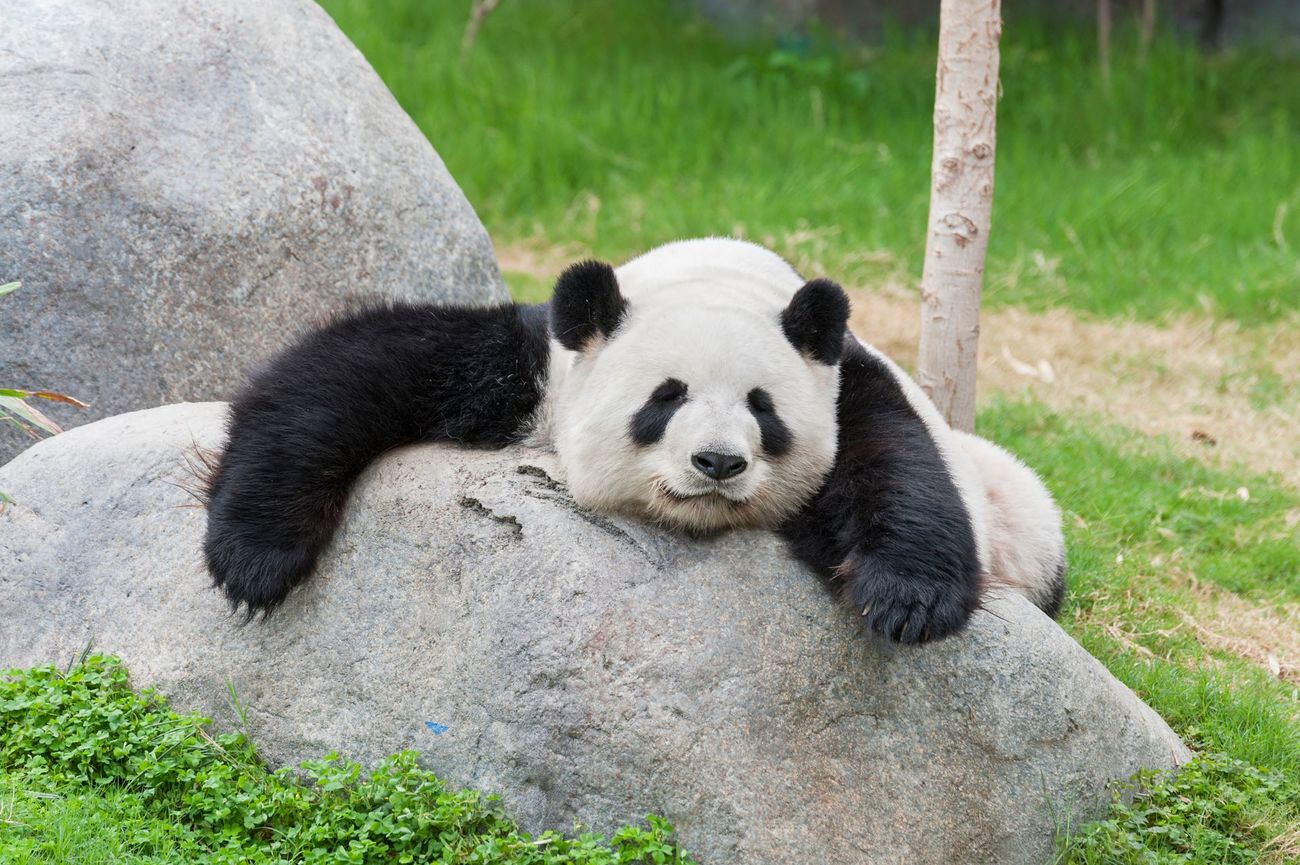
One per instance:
[(902, 607), (255, 577)]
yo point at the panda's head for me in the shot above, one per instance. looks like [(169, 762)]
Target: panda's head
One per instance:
[(699, 411)]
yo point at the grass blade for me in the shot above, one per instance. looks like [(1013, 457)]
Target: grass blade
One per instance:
[(52, 396), (14, 393), (24, 412)]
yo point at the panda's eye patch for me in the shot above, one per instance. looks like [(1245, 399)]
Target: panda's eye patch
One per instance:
[(776, 436), (651, 420), (671, 390), (760, 401)]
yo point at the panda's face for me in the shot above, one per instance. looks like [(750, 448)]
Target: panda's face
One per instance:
[(700, 418)]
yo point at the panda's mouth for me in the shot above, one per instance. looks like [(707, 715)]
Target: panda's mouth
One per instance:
[(710, 497), (703, 511)]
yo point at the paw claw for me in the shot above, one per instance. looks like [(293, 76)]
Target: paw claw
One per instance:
[(906, 608)]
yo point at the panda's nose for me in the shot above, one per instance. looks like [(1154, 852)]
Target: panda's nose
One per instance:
[(718, 466)]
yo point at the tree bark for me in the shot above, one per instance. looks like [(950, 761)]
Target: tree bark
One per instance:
[(961, 200), (478, 13), (1146, 27), (1103, 39), (1212, 25)]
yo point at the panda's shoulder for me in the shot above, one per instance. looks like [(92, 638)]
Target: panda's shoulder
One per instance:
[(871, 380)]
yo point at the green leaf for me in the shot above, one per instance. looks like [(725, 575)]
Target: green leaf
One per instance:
[(52, 396), (9, 288), (24, 412)]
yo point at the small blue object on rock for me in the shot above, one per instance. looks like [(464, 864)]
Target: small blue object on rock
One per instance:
[(438, 729)]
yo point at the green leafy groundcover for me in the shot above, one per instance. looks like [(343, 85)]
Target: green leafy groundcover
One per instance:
[(81, 748), (1214, 810), (92, 772)]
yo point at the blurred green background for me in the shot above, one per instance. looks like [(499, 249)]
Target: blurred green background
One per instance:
[(1174, 186)]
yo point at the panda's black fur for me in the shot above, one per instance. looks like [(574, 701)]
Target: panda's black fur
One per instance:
[(888, 527), (306, 424)]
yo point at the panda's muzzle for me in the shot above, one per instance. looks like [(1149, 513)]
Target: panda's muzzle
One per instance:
[(718, 466)]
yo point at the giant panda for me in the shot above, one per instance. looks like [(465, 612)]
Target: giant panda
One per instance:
[(703, 385)]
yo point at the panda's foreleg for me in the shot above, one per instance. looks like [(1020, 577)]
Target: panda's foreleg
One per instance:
[(889, 528), (305, 426)]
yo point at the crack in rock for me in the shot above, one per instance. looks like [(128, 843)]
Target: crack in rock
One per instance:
[(549, 489), (473, 504)]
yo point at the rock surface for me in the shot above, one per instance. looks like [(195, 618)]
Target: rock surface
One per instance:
[(586, 668), (184, 184)]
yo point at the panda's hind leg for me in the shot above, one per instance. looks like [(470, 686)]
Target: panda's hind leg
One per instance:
[(1026, 550)]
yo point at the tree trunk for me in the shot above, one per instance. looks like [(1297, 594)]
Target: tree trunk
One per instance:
[(961, 199), (1212, 25), (478, 13), (1146, 27), (1103, 39)]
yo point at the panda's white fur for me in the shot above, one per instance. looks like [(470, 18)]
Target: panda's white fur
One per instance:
[(707, 311), (1025, 550)]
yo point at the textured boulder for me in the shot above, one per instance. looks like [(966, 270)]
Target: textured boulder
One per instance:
[(586, 668), (183, 183)]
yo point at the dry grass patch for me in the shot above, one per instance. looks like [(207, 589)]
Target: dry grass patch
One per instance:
[(1264, 634), (538, 261), (1216, 391), (1284, 849), (1267, 635)]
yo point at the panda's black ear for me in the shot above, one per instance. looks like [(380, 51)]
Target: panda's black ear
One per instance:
[(587, 304), (816, 320)]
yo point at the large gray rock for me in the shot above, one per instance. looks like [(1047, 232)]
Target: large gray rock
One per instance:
[(184, 183), (586, 668)]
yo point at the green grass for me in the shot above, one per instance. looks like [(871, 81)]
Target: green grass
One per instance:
[(92, 772), (87, 826), (1140, 500), (1147, 531), (619, 125), (1215, 810)]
